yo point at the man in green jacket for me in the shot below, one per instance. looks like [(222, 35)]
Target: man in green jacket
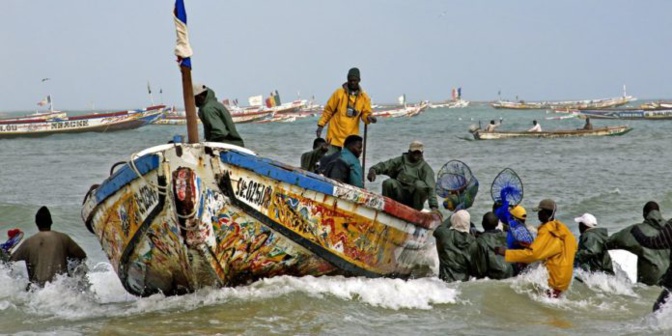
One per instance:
[(651, 264), (344, 166), (218, 125), (485, 262), (453, 244), (411, 179), (310, 160), (592, 255)]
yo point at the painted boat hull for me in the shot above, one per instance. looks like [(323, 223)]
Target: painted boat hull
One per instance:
[(634, 114), (607, 131), (217, 215), (106, 122)]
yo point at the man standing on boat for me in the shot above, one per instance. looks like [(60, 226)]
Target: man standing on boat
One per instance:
[(347, 106), (218, 125), (588, 125), (47, 252), (411, 179)]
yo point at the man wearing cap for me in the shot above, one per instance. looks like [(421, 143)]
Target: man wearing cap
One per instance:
[(218, 125), (46, 253), (651, 263), (555, 245), (592, 255), (411, 179), (453, 246), (347, 106)]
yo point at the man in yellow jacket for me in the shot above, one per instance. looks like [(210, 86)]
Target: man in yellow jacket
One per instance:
[(347, 105), (555, 245)]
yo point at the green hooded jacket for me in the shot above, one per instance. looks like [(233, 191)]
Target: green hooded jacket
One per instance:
[(453, 249), (651, 264), (485, 262), (310, 159), (593, 255), (402, 170), (218, 125)]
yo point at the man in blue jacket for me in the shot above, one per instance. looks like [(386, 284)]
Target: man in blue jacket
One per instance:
[(344, 166)]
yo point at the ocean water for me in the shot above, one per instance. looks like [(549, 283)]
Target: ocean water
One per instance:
[(610, 177)]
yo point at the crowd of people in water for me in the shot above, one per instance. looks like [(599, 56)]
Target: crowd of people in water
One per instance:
[(504, 247)]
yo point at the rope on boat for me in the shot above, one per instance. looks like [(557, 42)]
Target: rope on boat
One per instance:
[(161, 190)]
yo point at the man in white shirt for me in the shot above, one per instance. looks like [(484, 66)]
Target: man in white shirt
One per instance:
[(492, 126), (536, 127)]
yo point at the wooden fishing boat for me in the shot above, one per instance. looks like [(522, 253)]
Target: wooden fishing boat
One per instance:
[(406, 111), (627, 114), (103, 122), (606, 131), (451, 104), (49, 115), (564, 105), (179, 217)]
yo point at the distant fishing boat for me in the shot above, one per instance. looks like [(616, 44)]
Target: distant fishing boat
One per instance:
[(406, 111), (627, 114), (103, 122), (48, 115), (499, 135), (455, 102), (564, 105)]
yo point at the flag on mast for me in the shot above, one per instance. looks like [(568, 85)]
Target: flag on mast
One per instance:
[(44, 101), (183, 48), (149, 89)]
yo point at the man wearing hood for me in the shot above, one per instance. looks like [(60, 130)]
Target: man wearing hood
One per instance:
[(453, 244), (554, 245), (485, 262), (651, 264), (347, 106), (662, 241), (411, 179), (592, 255), (218, 125)]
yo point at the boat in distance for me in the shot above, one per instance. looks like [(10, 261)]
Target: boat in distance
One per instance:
[(499, 135), (179, 217), (564, 105), (627, 114), (97, 122)]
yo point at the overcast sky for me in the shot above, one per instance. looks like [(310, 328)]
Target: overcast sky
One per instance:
[(103, 53)]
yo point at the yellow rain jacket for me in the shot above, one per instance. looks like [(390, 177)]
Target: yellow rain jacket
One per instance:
[(335, 113), (556, 246)]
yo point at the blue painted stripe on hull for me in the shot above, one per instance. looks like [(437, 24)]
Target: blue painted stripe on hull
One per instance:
[(278, 171), (125, 175)]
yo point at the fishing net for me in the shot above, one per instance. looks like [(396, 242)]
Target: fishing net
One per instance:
[(508, 187), (457, 185)]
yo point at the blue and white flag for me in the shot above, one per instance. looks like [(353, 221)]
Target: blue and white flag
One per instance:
[(182, 49)]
